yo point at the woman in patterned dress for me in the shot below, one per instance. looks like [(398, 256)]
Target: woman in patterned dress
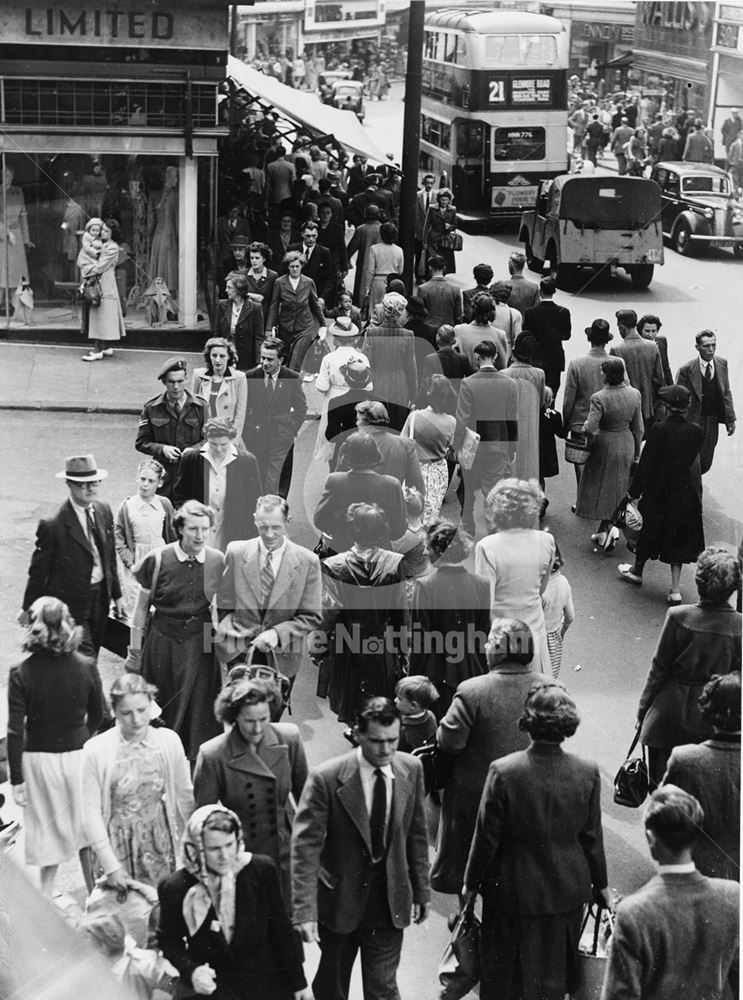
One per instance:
[(137, 791)]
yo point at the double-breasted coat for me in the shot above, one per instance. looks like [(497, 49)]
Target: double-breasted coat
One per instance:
[(262, 785)]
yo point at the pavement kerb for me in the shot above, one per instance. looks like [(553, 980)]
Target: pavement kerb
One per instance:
[(72, 407)]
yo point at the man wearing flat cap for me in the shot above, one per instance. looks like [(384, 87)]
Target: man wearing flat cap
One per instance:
[(171, 422), (75, 555)]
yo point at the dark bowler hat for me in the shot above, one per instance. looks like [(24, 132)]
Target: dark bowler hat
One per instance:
[(240, 241), (81, 469), (172, 365), (676, 396), (416, 306), (599, 330)]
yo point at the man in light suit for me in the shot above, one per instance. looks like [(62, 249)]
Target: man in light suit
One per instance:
[(277, 407), (423, 200), (706, 378), (75, 555), (488, 405), (677, 936), (360, 857), (550, 325), (273, 617), (524, 294), (399, 454), (642, 362)]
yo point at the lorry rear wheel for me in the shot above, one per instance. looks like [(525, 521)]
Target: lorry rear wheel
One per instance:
[(532, 262), (566, 275), (642, 275)]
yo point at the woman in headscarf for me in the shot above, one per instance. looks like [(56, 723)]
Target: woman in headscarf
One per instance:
[(391, 353), (222, 921)]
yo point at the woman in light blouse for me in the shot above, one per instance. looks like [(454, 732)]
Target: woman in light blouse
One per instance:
[(224, 388)]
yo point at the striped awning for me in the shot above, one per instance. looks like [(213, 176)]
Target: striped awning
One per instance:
[(663, 64)]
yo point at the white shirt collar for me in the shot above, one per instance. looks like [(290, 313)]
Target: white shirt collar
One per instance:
[(229, 457), (182, 556), (677, 869), (275, 553), (140, 502), (703, 365), (365, 766)]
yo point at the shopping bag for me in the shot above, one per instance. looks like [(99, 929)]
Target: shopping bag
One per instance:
[(116, 636), (468, 448), (459, 968), (134, 907), (631, 783), (593, 952), (437, 766)]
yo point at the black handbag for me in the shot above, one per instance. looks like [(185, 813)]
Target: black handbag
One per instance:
[(91, 291), (459, 968), (631, 783), (437, 766)]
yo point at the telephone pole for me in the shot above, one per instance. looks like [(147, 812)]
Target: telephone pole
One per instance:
[(411, 137)]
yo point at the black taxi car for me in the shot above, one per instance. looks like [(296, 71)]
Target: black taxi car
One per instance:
[(699, 206)]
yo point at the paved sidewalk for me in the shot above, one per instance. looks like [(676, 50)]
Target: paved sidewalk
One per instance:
[(45, 377)]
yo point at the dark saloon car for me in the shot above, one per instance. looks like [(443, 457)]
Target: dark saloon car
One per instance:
[(699, 206)]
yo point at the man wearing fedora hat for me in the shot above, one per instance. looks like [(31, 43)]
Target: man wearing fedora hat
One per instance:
[(171, 422), (75, 555)]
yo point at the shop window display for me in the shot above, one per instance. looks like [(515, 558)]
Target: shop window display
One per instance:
[(45, 204)]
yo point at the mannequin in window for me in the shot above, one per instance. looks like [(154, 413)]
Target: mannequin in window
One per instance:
[(14, 236), (164, 252)]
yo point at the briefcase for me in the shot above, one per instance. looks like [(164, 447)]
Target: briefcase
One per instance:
[(116, 636)]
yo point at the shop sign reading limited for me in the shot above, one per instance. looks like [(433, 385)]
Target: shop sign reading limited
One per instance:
[(124, 23)]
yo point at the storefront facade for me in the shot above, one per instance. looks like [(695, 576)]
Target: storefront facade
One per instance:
[(672, 52), (727, 70), (110, 113), (599, 33)]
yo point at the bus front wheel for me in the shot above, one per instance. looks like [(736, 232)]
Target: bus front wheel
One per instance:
[(642, 275)]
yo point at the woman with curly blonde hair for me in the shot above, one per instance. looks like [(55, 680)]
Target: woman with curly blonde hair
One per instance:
[(55, 704), (517, 559)]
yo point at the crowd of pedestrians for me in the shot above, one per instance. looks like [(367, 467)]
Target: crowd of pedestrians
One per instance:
[(183, 776)]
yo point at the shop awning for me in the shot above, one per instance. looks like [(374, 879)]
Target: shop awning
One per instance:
[(618, 62), (306, 110)]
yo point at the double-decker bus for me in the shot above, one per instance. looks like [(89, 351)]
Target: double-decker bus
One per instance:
[(494, 107)]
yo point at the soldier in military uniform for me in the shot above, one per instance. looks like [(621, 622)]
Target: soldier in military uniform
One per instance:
[(171, 422)]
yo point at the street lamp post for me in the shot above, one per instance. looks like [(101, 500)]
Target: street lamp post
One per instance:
[(411, 137)]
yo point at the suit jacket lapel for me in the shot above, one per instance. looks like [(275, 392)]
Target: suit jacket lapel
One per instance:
[(351, 796), (75, 529), (285, 576), (251, 569), (241, 758), (402, 793), (696, 378)]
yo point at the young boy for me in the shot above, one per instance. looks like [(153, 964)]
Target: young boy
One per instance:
[(414, 696)]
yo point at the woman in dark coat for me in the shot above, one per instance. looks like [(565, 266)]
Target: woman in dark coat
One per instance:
[(260, 278), (365, 598), (438, 228), (537, 856), (295, 311), (667, 479), (229, 480), (222, 923), (264, 759), (455, 605), (697, 640), (240, 321), (710, 771)]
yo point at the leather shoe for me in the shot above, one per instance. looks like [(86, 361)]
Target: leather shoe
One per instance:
[(674, 599), (93, 356), (626, 572)]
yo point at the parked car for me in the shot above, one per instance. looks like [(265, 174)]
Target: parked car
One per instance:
[(699, 206), (327, 80), (348, 95), (594, 221)]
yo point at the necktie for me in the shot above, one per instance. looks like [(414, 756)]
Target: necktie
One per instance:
[(270, 384), (708, 373), (92, 536), (428, 200), (267, 579), (378, 815)]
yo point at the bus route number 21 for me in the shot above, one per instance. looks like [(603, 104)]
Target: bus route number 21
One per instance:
[(497, 92)]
